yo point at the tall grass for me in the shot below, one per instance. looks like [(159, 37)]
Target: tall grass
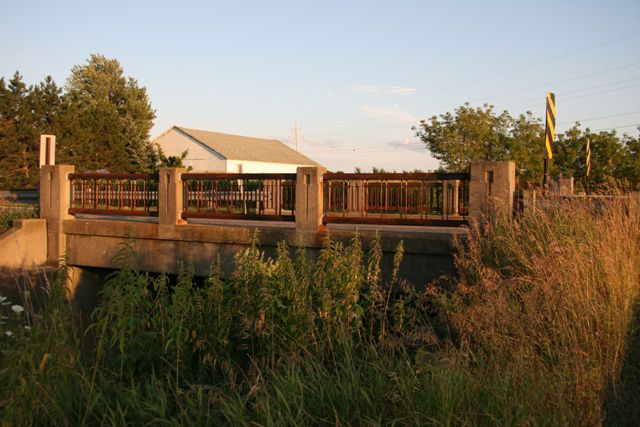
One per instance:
[(534, 330)]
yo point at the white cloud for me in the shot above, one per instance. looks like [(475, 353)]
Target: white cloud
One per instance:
[(381, 90), (408, 144), (391, 114)]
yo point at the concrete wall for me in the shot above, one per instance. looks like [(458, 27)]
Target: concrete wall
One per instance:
[(25, 245), (162, 248)]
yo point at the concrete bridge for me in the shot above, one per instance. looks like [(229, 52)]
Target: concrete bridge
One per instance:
[(183, 217)]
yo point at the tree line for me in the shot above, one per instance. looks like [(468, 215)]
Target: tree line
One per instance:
[(101, 119), (474, 133)]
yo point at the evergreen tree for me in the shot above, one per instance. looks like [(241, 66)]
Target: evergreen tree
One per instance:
[(107, 119), (26, 112)]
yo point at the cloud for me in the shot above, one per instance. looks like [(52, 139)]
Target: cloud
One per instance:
[(391, 114), (381, 90), (407, 144)]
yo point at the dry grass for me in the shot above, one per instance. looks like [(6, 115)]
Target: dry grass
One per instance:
[(535, 331), (550, 299)]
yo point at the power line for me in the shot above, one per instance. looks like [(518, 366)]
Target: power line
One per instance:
[(363, 151), (601, 117), (500, 73), (616, 127), (527, 103), (484, 98)]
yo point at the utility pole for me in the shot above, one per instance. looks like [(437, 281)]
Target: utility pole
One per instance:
[(295, 133)]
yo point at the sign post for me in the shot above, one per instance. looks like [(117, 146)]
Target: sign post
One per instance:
[(549, 132)]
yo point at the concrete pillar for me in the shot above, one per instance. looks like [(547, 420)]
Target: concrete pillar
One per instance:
[(562, 186), (47, 150), (55, 201), (455, 207), (491, 189), (446, 198), (309, 201), (170, 201), (529, 200)]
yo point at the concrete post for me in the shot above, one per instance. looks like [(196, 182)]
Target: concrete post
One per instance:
[(170, 202), (455, 208), (491, 189), (446, 198), (47, 150), (562, 186), (309, 201), (55, 201), (529, 200)]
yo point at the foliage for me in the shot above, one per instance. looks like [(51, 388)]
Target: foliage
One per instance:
[(25, 113), (107, 119), (480, 134), (102, 121), (533, 331), (10, 214)]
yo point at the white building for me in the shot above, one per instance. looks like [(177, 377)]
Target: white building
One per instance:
[(219, 152)]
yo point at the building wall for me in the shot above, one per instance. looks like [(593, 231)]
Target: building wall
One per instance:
[(260, 167), (199, 157), (203, 159)]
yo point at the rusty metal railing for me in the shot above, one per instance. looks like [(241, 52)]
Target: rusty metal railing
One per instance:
[(131, 194), (396, 198), (241, 196)]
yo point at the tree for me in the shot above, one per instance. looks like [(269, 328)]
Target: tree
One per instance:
[(479, 133), (107, 119), (610, 157), (632, 165), (26, 112)]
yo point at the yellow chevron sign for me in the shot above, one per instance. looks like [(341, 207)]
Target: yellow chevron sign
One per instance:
[(550, 124), (588, 162)]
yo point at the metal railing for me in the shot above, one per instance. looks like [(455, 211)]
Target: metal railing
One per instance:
[(130, 194), (264, 196), (396, 198)]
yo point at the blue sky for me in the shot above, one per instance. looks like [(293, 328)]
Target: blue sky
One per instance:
[(354, 75)]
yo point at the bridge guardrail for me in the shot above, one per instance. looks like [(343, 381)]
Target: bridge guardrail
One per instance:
[(440, 199), (130, 194), (265, 196)]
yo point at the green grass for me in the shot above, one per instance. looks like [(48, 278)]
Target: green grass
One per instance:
[(7, 216), (537, 329)]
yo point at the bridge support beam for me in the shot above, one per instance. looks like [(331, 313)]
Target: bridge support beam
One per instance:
[(491, 189), (55, 201), (309, 208)]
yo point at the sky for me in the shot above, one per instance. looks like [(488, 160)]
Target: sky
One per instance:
[(355, 76)]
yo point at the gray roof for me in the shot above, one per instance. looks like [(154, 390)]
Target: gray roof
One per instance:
[(235, 147)]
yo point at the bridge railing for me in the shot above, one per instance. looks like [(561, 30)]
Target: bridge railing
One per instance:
[(311, 197), (396, 198), (266, 196), (130, 194)]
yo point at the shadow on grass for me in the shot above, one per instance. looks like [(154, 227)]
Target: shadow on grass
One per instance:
[(622, 405)]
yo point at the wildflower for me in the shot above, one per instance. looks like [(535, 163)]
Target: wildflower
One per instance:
[(17, 309), (3, 300), (8, 333)]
